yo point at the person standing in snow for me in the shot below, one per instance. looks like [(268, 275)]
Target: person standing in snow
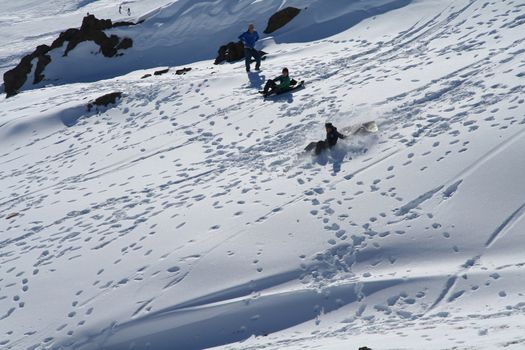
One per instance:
[(332, 135), (248, 38), (284, 83), (129, 11)]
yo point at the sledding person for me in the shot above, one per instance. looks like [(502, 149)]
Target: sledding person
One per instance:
[(248, 38), (332, 135), (284, 83)]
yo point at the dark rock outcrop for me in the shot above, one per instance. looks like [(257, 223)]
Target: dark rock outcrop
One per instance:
[(364, 348), (43, 61), (281, 18), (124, 44), (164, 71), (10, 216), (104, 100), (182, 71), (160, 72), (91, 30), (125, 24), (232, 52), (15, 78)]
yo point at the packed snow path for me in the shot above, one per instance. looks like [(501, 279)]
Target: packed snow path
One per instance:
[(184, 215)]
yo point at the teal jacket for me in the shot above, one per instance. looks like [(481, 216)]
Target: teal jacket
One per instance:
[(284, 82)]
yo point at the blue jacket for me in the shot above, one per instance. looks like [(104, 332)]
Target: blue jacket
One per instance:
[(249, 39)]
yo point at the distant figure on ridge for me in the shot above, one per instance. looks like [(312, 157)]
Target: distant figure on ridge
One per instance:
[(248, 38), (332, 135), (129, 11), (120, 9)]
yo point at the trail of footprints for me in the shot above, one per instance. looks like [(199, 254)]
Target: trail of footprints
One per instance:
[(102, 223)]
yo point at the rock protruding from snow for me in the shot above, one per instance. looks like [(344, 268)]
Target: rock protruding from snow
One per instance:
[(281, 18), (12, 215), (16, 78), (232, 52), (105, 100), (162, 71), (182, 70), (92, 29)]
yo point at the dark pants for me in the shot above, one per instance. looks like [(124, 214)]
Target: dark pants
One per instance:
[(271, 86), (248, 54), (319, 146)]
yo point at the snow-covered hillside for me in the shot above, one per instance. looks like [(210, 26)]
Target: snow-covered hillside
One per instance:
[(26, 24), (184, 216), (186, 31)]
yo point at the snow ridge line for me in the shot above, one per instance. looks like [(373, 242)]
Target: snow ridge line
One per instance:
[(416, 202), (306, 304), (489, 155), (507, 223), (451, 282)]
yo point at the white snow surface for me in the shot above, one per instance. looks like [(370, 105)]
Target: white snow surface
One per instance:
[(183, 31), (185, 216)]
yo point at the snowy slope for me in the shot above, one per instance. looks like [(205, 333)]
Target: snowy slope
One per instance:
[(186, 31), (26, 24), (184, 215)]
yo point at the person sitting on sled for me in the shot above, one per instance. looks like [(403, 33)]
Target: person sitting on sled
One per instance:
[(284, 83), (332, 135)]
